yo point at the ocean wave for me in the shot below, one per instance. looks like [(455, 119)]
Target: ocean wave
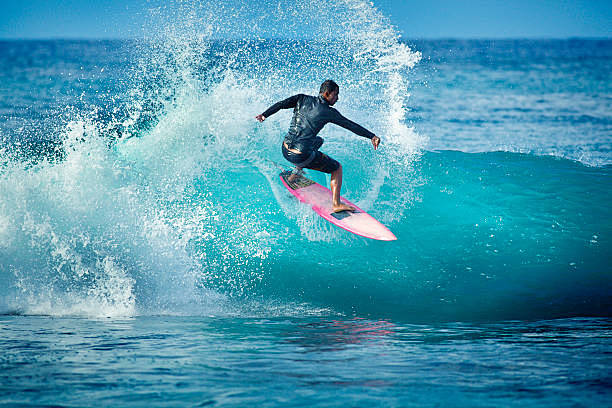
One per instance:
[(167, 200)]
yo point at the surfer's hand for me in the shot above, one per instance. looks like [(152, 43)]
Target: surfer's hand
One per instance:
[(260, 118), (375, 142)]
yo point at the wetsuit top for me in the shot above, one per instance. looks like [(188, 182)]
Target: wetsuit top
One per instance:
[(310, 114)]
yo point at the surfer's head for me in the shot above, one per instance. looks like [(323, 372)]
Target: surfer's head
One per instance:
[(329, 90)]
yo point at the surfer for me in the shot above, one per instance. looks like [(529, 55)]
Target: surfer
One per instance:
[(301, 144)]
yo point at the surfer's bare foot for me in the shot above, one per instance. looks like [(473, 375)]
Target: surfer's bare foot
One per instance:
[(342, 207), (297, 172)]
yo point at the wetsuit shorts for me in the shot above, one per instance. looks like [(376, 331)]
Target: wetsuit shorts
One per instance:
[(314, 160)]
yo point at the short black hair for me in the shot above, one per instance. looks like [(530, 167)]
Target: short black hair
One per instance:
[(329, 86)]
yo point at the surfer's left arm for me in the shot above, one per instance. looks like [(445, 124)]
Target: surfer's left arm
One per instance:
[(348, 124), (288, 103)]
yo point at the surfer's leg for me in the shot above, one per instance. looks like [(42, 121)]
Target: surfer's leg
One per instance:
[(297, 172), (326, 164), (336, 185), (295, 159)]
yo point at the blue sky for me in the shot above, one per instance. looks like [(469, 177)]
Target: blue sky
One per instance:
[(500, 18), (414, 19)]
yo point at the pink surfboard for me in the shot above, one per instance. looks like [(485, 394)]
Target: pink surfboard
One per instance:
[(320, 199)]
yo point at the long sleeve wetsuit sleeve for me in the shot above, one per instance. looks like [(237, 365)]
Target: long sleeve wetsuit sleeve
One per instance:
[(348, 124), (290, 102)]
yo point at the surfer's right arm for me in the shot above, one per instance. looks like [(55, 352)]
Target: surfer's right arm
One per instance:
[(290, 102), (348, 124)]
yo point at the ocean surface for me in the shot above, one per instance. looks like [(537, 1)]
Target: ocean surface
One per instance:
[(150, 256)]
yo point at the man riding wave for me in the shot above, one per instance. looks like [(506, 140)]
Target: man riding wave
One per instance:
[(301, 144)]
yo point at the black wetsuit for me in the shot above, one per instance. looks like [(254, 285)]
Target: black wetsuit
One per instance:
[(310, 114)]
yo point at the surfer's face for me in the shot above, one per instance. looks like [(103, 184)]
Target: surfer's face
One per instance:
[(331, 97)]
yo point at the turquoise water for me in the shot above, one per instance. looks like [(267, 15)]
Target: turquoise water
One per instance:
[(149, 254)]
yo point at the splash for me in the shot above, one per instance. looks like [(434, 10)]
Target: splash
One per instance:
[(166, 193), (87, 234)]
